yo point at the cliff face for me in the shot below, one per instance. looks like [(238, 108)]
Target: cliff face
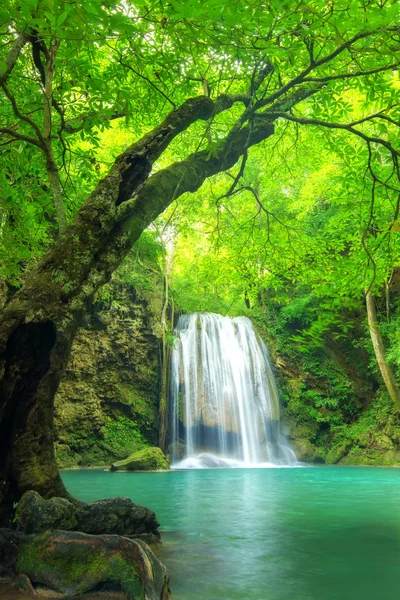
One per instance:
[(335, 415), (107, 403), (333, 406)]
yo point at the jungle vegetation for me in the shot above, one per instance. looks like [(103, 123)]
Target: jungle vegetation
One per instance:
[(256, 143)]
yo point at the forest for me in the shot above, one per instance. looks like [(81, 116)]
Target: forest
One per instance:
[(200, 299)]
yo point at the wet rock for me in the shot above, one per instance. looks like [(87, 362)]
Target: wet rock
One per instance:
[(151, 539), (24, 584), (149, 459), (116, 515), (304, 449), (35, 514), (74, 563), (177, 450)]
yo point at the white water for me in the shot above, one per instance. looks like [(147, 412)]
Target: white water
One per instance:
[(225, 406)]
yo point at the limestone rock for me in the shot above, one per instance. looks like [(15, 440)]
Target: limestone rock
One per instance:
[(112, 379), (35, 514), (303, 449), (337, 453), (73, 563), (149, 459), (177, 450), (116, 515)]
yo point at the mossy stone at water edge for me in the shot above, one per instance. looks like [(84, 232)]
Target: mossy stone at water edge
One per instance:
[(74, 563), (114, 515), (35, 514), (149, 459)]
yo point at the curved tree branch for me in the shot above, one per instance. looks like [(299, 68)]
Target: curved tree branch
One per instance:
[(13, 55)]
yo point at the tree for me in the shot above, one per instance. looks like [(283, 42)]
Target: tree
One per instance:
[(379, 349), (257, 67)]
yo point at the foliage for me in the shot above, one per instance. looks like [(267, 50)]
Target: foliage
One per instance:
[(122, 436), (292, 236)]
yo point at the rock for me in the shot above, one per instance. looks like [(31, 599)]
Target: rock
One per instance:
[(177, 450), (34, 514), (107, 403), (74, 563), (151, 539), (303, 449), (363, 440), (24, 584), (116, 515), (336, 454), (385, 441), (149, 459)]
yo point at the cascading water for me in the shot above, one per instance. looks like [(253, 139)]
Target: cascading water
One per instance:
[(225, 407)]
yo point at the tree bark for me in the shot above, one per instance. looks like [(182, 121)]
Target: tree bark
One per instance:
[(379, 349), (164, 408), (38, 326), (51, 164)]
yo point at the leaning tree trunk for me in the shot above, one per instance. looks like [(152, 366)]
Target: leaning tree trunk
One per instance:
[(379, 349), (38, 326)]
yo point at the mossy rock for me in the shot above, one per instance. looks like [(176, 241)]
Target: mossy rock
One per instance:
[(118, 516), (336, 454), (73, 563), (148, 459), (304, 449), (35, 514), (371, 457)]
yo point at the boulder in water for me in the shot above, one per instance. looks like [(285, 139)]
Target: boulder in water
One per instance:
[(114, 516), (149, 459), (73, 563)]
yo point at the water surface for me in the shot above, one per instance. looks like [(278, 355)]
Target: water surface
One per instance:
[(319, 533)]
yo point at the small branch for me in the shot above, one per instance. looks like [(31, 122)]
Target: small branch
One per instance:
[(77, 124), (145, 78), (20, 136), (13, 55), (301, 77), (18, 113), (51, 164), (351, 75), (344, 126)]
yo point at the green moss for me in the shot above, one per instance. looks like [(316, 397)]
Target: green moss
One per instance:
[(148, 459), (74, 570)]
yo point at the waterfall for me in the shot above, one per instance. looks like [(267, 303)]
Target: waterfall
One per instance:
[(224, 400)]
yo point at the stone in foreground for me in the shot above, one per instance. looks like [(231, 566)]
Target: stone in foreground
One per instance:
[(116, 515), (149, 459), (73, 563), (113, 516), (35, 514)]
